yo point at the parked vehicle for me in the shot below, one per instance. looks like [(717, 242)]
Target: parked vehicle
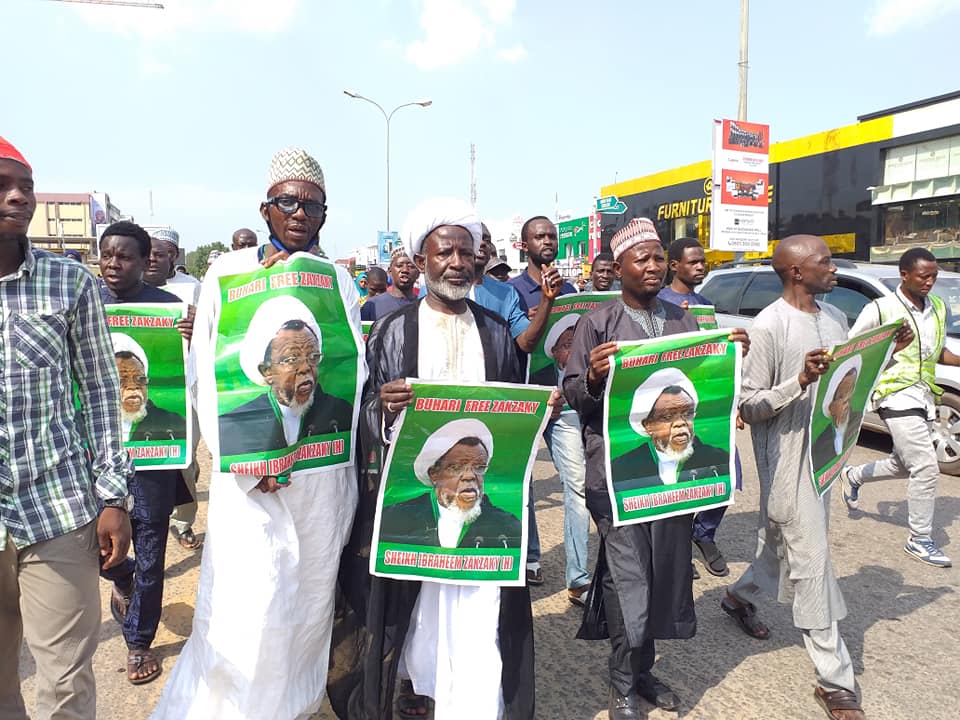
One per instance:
[(740, 291)]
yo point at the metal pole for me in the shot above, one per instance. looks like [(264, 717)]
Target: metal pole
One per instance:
[(744, 32), (388, 174)]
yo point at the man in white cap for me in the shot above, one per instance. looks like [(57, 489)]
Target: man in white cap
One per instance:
[(161, 273), (282, 352), (663, 409), (265, 600), (644, 573), (469, 648), (456, 512)]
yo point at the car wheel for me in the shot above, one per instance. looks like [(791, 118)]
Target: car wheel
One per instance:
[(946, 434)]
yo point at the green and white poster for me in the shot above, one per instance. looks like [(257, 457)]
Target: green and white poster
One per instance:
[(842, 394), (287, 368), (669, 410), (154, 409), (365, 326), (547, 361), (453, 500), (705, 315)]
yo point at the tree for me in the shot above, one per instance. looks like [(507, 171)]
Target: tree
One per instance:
[(196, 260)]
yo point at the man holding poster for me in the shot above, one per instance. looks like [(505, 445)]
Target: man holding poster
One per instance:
[(468, 647), (645, 574), (265, 600)]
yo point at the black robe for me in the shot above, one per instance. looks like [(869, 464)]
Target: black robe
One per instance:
[(159, 424), (415, 522), (822, 450), (374, 613), (649, 562)]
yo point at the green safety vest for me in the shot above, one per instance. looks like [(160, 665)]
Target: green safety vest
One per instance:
[(909, 368)]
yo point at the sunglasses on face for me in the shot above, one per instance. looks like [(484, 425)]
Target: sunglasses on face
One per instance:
[(288, 205)]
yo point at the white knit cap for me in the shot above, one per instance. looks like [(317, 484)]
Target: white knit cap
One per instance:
[(295, 164), (263, 328), (633, 233), (436, 212), (122, 342), (443, 439), (651, 389), (167, 234)]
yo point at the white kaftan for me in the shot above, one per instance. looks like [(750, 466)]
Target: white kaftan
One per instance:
[(259, 649), (451, 652)]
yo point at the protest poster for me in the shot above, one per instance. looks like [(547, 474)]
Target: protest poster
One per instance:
[(154, 408), (842, 394), (287, 368), (669, 409), (705, 315), (547, 361), (365, 326), (452, 506)]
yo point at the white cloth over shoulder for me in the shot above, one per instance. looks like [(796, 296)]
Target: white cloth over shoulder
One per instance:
[(259, 649), (452, 653)]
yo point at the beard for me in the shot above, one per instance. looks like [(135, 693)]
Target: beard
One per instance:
[(133, 417), (465, 517), (445, 290), (298, 408), (675, 455), (840, 432)]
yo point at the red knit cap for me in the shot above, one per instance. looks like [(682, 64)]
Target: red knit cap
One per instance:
[(9, 152)]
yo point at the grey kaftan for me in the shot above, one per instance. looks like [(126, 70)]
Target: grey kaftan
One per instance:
[(793, 554)]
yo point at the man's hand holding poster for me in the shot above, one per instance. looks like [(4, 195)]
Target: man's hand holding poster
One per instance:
[(669, 410), (287, 361), (843, 393), (154, 411), (453, 499)]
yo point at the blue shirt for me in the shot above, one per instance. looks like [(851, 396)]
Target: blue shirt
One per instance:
[(502, 299), (530, 291), (382, 305), (672, 296)]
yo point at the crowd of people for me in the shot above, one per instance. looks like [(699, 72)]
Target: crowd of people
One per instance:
[(287, 612)]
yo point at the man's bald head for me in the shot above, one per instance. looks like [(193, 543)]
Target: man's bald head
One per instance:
[(244, 238), (794, 249), (805, 265)]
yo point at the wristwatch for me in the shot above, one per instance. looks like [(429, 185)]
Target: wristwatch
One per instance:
[(120, 503)]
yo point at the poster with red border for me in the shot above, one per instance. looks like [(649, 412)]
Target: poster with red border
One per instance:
[(739, 213)]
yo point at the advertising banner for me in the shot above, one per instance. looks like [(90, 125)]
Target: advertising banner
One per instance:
[(670, 405), (287, 369), (842, 394), (453, 501), (386, 242), (154, 408), (572, 237), (740, 208)]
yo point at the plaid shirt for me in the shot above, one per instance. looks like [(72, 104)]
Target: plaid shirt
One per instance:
[(53, 333)]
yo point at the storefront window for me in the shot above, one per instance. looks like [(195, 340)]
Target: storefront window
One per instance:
[(933, 224)]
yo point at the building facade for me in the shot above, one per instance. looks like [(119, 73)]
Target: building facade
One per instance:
[(70, 221)]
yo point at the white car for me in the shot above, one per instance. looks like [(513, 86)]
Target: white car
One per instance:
[(739, 292)]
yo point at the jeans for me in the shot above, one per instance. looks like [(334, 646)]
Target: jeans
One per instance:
[(566, 449), (913, 456)]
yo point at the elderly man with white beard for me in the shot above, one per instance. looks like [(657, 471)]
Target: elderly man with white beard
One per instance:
[(483, 635)]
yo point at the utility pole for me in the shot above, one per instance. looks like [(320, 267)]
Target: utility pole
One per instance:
[(473, 175), (744, 32)]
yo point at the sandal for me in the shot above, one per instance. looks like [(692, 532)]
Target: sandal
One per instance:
[(139, 662), (409, 704), (746, 616), (712, 558), (843, 702), (189, 541), (119, 604)]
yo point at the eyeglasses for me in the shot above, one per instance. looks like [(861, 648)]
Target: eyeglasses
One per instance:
[(292, 361), (288, 205), (460, 469), (686, 415)]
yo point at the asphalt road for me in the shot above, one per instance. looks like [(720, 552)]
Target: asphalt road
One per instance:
[(901, 629)]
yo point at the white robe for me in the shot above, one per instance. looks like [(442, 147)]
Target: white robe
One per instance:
[(451, 652), (259, 649)]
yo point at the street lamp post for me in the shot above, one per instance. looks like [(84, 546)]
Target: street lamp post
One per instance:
[(387, 117)]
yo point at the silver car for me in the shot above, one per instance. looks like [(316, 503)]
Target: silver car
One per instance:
[(740, 291)]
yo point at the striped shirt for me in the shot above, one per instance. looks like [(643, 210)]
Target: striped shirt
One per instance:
[(53, 337)]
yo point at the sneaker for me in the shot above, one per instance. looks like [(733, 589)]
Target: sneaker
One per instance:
[(851, 490), (926, 551)]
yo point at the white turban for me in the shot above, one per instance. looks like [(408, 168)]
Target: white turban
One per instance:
[(263, 328), (854, 362), (122, 342), (650, 389), (431, 214), (564, 323), (442, 440)]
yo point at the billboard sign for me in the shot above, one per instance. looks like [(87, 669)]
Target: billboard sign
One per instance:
[(740, 208), (386, 242)]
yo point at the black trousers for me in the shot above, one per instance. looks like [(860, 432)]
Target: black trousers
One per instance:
[(627, 664)]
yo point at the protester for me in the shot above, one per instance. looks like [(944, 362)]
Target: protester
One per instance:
[(404, 275), (498, 269), (581, 283), (602, 275), (789, 346), (59, 463), (688, 263), (137, 596), (906, 398), (73, 255), (161, 272), (644, 571), (361, 283), (243, 238), (265, 600), (376, 282), (538, 237), (469, 648)]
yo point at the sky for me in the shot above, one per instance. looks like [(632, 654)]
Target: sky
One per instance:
[(189, 103)]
